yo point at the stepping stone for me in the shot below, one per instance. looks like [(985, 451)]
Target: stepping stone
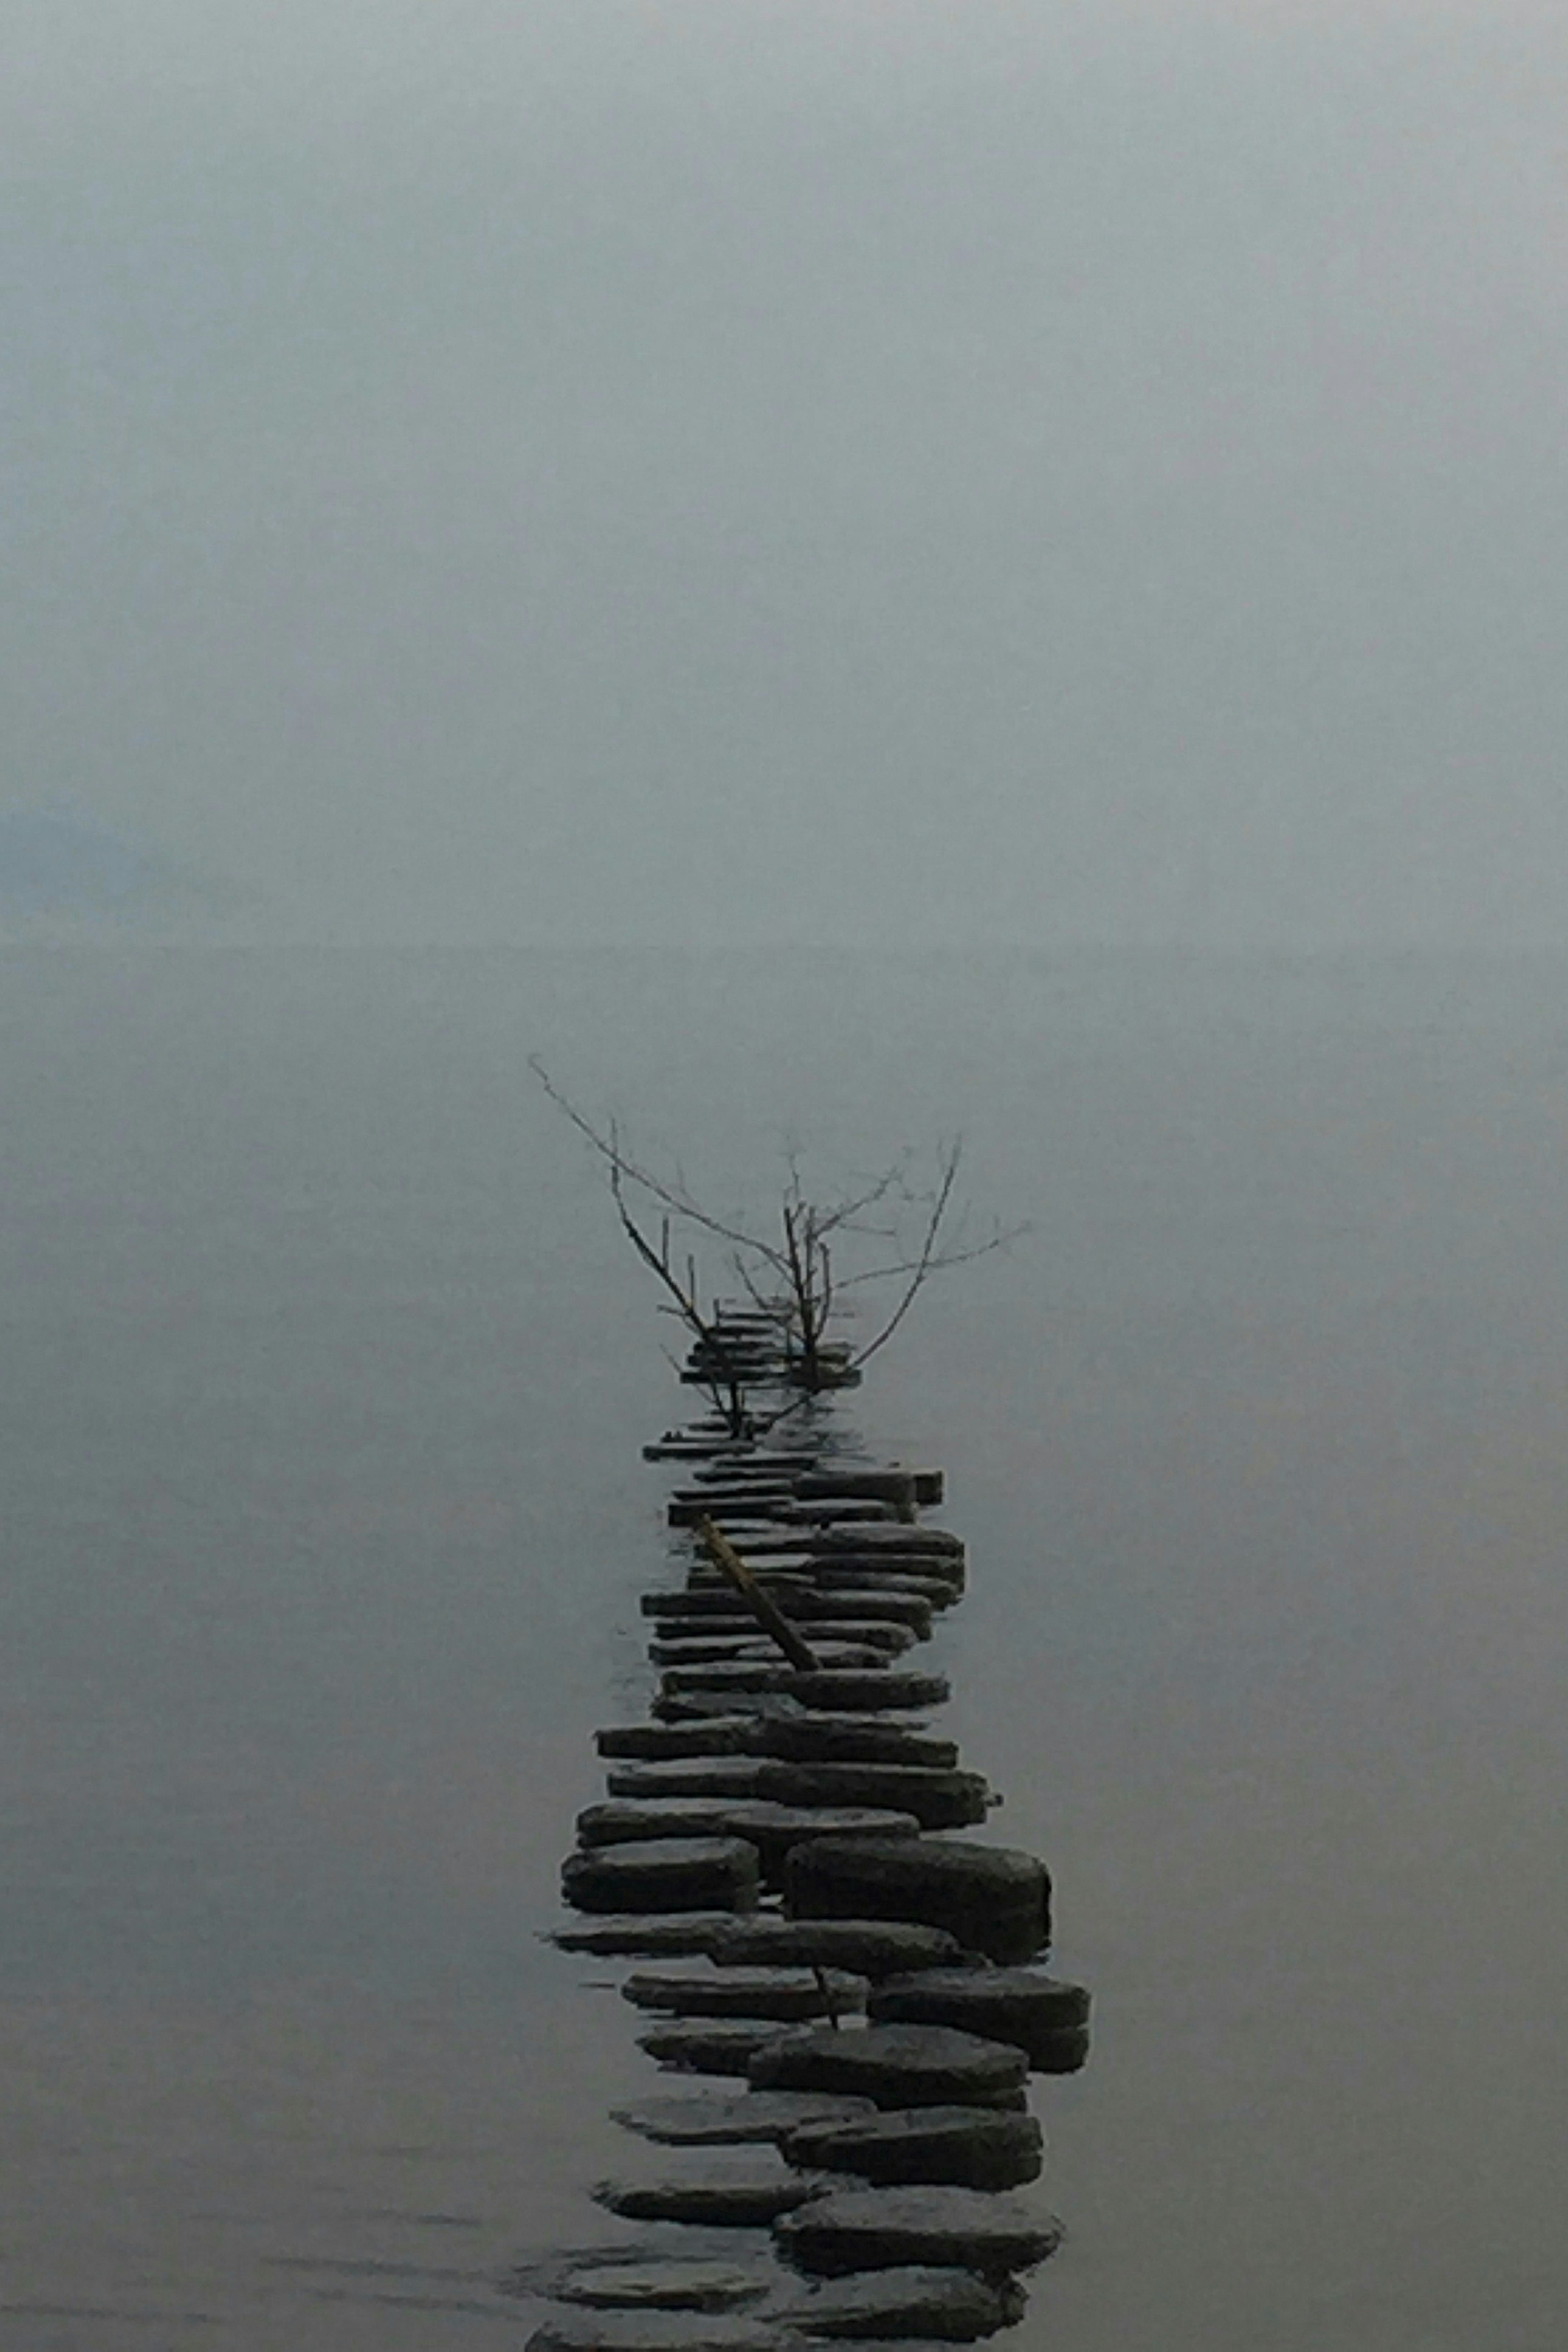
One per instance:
[(708, 1777), (774, 1830), (848, 1739), (969, 2147), (796, 1598), (713, 2121), (1019, 2005), (841, 1512), (717, 1736), (654, 2331), (890, 2228), (665, 2286), (731, 1675), (867, 1947), (934, 2307), (711, 2045), (682, 1934), (665, 1875), (786, 1994), (735, 2191), (879, 1485), (897, 2065), (893, 1542), (994, 1899), (719, 1640), (938, 1801), (844, 1692)]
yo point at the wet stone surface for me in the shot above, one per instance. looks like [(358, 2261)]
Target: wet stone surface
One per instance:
[(655, 1936), (737, 2189), (1023, 2006), (994, 1899), (788, 1994), (665, 2287), (715, 2045), (841, 1690), (933, 2305), (718, 1735), (867, 1947), (849, 1739), (672, 1874), (886, 2229), (938, 1801), (750, 2118), (968, 2147), (896, 2066)]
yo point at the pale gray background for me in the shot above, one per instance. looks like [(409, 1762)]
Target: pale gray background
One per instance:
[(542, 469)]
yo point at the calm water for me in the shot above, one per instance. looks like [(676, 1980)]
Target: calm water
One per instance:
[(323, 1382)]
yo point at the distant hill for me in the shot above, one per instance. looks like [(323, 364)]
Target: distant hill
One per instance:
[(57, 863)]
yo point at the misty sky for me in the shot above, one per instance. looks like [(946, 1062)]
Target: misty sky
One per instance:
[(798, 470)]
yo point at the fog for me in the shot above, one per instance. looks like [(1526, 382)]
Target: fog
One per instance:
[(857, 473)]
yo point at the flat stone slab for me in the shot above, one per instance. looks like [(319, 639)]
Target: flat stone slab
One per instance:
[(677, 1935), (968, 2147), (664, 2286), (710, 2120), (891, 2229), (740, 2191), (775, 1830), (994, 1899), (650, 2331), (867, 1947), (890, 1542), (715, 1736), (1023, 2006), (786, 1994), (824, 1738), (799, 1597), (896, 2066), (667, 1874), (935, 2306), (711, 2045), (844, 1691), (938, 1801), (728, 1675), (689, 1776)]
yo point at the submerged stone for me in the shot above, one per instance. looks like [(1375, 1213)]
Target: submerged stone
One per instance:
[(744, 2190), (890, 2228), (665, 2286), (713, 2045), (787, 1994), (994, 1899), (897, 2065), (931, 2306), (711, 2120), (968, 2147)]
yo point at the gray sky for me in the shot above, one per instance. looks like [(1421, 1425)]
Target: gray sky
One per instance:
[(875, 470)]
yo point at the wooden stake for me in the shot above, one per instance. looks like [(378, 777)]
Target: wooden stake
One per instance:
[(729, 1563)]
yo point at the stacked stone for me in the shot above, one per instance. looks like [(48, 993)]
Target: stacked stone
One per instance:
[(863, 1980)]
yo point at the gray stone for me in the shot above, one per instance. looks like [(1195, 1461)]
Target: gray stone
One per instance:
[(868, 1948), (656, 1937), (938, 1801), (897, 2065), (829, 1484), (1023, 2006), (665, 2286), (650, 2331), (672, 1874), (890, 2228), (841, 1691), (774, 1830), (711, 2045), (969, 2147), (892, 1542), (727, 1776), (741, 2190), (712, 2120), (720, 1640), (731, 1675), (716, 1736), (994, 1899), (935, 2306), (785, 1994), (825, 1738)]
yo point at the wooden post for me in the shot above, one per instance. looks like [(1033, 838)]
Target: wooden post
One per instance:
[(728, 1561)]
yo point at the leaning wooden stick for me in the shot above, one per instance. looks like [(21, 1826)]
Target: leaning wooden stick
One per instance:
[(728, 1561)]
